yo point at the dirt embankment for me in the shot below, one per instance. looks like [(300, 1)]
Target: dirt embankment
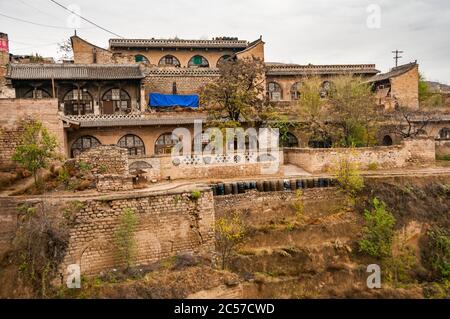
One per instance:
[(318, 256), (285, 254)]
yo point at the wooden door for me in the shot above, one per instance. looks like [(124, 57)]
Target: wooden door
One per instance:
[(108, 107)]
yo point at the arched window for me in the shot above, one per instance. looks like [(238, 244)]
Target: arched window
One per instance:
[(133, 144), (274, 91), (78, 102), (444, 134), (319, 142), (116, 101), (83, 143), (290, 140), (37, 94), (223, 59), (198, 61), (165, 142), (295, 91), (326, 88), (139, 58), (169, 60), (387, 140)]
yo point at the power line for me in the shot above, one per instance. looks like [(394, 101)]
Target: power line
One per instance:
[(39, 10), (93, 23), (35, 23)]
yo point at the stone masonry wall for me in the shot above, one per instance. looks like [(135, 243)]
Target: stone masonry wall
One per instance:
[(168, 223), (163, 167), (114, 183), (106, 159), (15, 110), (109, 163), (419, 151)]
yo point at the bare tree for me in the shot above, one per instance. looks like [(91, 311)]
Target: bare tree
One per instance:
[(65, 49), (409, 123)]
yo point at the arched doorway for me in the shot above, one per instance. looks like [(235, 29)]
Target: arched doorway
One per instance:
[(387, 140), (274, 91), (116, 101), (444, 134), (289, 140), (78, 102)]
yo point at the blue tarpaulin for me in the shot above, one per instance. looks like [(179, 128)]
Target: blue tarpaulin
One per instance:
[(165, 100)]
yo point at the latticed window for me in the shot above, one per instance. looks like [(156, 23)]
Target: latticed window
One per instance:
[(116, 100), (274, 91), (133, 144), (295, 91), (78, 102), (165, 143), (169, 60), (223, 59), (198, 61), (37, 94), (444, 134), (84, 143), (140, 58)]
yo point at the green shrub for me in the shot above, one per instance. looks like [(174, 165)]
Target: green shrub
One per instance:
[(64, 176), (349, 179), (372, 166), (103, 169), (84, 166), (378, 231), (398, 268), (299, 205), (124, 237), (36, 149), (445, 157), (196, 194), (230, 231), (438, 252)]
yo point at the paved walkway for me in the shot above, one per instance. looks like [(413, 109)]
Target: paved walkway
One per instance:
[(291, 171)]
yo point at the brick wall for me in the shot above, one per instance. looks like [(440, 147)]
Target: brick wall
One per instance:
[(405, 88), (185, 84), (14, 110), (419, 151), (168, 223)]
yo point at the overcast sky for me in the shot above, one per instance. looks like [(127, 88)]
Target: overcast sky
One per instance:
[(305, 31)]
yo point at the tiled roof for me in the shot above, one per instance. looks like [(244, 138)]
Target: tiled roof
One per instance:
[(170, 71), (402, 69), (310, 69), (74, 72), (177, 43)]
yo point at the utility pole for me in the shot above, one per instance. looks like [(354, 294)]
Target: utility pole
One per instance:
[(397, 56)]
